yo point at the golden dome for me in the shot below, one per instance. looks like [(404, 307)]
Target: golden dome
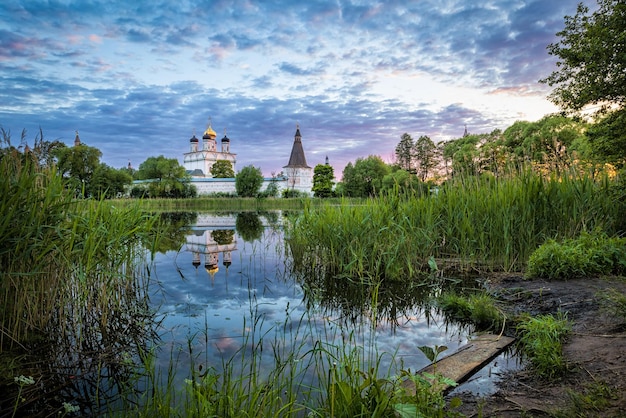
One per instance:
[(209, 133)]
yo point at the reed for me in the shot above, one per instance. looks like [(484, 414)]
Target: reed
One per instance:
[(206, 203), (71, 283), (471, 224)]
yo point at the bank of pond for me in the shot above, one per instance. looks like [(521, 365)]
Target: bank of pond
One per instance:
[(323, 309)]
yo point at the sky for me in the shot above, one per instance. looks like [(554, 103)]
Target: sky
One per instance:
[(137, 79)]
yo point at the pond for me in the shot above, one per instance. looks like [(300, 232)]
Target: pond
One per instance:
[(230, 293), (227, 295)]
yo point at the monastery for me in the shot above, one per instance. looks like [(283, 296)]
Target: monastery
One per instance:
[(297, 175)]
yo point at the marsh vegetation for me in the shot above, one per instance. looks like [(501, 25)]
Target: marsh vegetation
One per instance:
[(80, 280)]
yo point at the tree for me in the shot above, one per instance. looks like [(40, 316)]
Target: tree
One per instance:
[(592, 57), (402, 181), (160, 168), (169, 178), (248, 181), (404, 152), (425, 156), (607, 138), (109, 182), (222, 169), (365, 177), (78, 164), (463, 154), (552, 142), (323, 176)]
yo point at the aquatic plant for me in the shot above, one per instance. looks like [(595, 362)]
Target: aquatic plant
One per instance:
[(471, 224), (541, 341), (589, 254)]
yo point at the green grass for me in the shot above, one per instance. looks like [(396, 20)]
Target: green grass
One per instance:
[(471, 225), (588, 255), (478, 309), (541, 340), (71, 283)]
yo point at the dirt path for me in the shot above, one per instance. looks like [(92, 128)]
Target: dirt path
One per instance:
[(595, 353)]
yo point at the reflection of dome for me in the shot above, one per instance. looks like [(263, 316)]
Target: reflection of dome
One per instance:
[(196, 259), (226, 263), (211, 269)]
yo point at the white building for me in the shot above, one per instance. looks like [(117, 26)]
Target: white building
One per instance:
[(201, 157)]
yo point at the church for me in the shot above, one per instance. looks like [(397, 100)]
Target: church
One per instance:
[(199, 160)]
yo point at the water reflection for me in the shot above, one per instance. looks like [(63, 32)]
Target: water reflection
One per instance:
[(250, 300), (92, 351)]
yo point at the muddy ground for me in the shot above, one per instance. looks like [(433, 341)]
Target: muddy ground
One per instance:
[(595, 353)]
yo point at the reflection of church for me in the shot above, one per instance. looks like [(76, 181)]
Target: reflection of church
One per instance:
[(209, 244)]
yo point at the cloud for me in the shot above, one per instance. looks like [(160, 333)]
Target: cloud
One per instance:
[(137, 78)]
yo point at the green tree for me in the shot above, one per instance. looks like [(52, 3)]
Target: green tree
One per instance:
[(592, 71), (607, 138), (553, 142), (323, 176), (404, 152), (425, 156), (463, 154), (169, 178), (109, 182), (365, 177), (592, 57), (78, 164), (222, 169), (248, 181), (402, 181)]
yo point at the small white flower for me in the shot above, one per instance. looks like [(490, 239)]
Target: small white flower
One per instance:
[(24, 381), (70, 408)]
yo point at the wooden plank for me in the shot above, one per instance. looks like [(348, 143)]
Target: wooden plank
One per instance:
[(467, 360)]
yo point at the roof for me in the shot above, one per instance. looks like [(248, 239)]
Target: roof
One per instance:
[(297, 158)]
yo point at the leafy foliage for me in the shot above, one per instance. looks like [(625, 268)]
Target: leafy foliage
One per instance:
[(587, 255), (365, 177), (592, 57), (323, 176), (167, 178), (248, 181), (222, 169), (404, 152), (425, 156)]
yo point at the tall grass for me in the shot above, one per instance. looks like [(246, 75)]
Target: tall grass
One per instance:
[(57, 256), (71, 284), (471, 224), (206, 203)]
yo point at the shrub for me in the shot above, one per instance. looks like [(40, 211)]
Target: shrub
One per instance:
[(478, 309), (541, 341), (588, 255)]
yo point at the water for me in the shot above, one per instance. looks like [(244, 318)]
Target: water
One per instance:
[(223, 295)]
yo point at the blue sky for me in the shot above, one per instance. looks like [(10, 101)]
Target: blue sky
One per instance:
[(138, 78)]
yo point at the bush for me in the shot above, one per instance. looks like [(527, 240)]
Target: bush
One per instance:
[(479, 310), (588, 255), (541, 340)]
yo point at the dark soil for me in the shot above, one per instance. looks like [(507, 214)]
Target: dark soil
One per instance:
[(595, 353)]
